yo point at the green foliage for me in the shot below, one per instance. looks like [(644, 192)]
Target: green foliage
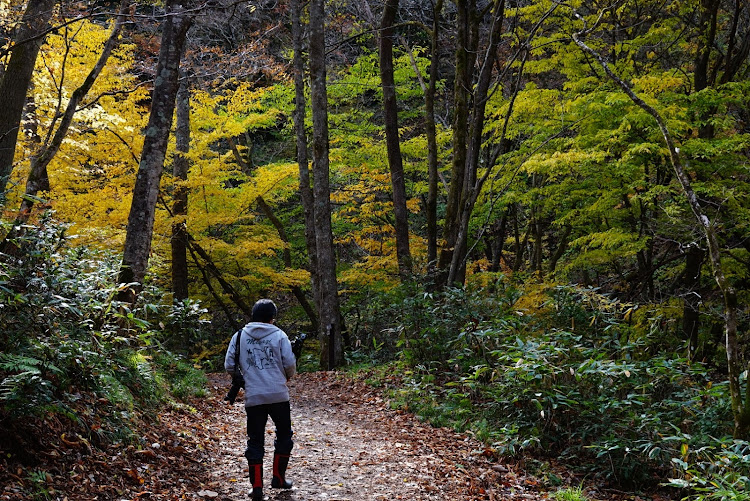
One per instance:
[(417, 325), (186, 326), (38, 480), (575, 381), (184, 381), (570, 494), (25, 390), (66, 343), (717, 471)]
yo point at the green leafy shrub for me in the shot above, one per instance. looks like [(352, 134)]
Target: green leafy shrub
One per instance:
[(67, 344), (715, 471), (25, 390), (598, 395), (184, 381)]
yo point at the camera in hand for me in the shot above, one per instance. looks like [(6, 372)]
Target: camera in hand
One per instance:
[(297, 345), (238, 382)]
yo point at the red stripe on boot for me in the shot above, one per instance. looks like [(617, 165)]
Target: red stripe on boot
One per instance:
[(258, 475), (276, 458)]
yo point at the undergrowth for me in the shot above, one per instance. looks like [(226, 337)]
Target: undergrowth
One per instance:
[(569, 376), (69, 351)]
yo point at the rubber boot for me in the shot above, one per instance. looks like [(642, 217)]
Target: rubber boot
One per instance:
[(256, 480), (280, 462)]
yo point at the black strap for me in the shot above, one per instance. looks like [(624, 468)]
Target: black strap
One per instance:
[(237, 368)]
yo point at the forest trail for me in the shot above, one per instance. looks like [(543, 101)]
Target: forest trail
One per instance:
[(350, 446)]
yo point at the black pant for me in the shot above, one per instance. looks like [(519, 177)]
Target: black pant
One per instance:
[(257, 416)]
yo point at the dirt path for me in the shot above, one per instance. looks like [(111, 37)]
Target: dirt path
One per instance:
[(350, 446)]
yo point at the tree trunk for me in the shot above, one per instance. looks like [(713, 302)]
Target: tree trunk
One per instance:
[(432, 151), (497, 241), (180, 169), (237, 299), (473, 120), (474, 125), (328, 308), (393, 147), (740, 402), (691, 308), (16, 80), (707, 13), (305, 189), (143, 207), (461, 88)]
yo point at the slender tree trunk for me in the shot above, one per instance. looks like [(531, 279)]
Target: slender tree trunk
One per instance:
[(180, 169), (432, 151), (707, 13), (393, 147), (146, 191), (461, 88), (328, 309), (691, 307), (16, 81), (237, 299), (740, 402), (562, 246), (305, 189), (473, 120), (738, 49), (474, 124), (207, 280), (498, 240)]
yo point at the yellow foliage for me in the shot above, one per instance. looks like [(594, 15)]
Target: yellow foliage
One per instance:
[(92, 175), (535, 298), (654, 84)]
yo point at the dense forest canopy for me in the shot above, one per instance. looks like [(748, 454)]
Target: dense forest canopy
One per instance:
[(346, 157)]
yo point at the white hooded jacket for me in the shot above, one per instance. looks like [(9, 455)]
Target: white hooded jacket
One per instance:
[(266, 361)]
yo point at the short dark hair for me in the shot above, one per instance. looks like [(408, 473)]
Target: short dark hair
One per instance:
[(264, 311)]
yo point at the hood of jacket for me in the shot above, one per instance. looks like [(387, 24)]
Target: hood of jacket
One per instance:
[(259, 330)]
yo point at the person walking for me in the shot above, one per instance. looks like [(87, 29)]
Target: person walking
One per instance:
[(266, 362)]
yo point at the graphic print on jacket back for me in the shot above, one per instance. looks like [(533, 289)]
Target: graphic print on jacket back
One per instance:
[(260, 354)]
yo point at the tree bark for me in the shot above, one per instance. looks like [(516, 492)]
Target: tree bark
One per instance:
[(707, 13), (305, 189), (474, 125), (180, 169), (461, 88), (225, 286), (562, 246), (328, 309), (432, 151), (143, 207), (393, 147), (16, 80), (207, 280), (692, 302)]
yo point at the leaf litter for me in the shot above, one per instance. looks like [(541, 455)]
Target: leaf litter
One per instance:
[(349, 446)]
